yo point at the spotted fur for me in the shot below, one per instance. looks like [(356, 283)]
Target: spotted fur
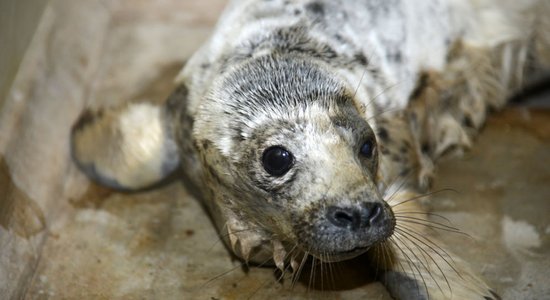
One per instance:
[(321, 78)]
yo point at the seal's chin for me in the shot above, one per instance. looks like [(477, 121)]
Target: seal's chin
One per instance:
[(343, 240), (341, 256)]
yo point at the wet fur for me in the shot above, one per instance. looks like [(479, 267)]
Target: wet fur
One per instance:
[(290, 72)]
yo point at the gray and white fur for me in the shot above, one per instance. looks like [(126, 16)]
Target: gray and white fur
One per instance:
[(364, 95)]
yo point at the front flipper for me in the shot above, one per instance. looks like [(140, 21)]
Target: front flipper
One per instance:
[(127, 148)]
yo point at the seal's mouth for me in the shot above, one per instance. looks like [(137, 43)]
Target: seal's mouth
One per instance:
[(341, 256), (341, 234)]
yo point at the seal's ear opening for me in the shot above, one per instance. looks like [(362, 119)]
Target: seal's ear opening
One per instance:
[(127, 148)]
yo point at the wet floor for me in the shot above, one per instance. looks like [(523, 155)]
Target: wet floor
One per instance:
[(160, 244), (501, 198)]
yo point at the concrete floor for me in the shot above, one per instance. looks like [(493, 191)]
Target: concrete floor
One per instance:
[(160, 244), (502, 200)]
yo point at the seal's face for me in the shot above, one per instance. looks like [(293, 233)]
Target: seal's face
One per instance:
[(295, 158), (317, 173)]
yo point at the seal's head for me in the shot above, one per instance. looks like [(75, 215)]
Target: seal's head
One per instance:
[(288, 153)]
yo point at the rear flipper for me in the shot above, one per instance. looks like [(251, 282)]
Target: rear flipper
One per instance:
[(126, 148)]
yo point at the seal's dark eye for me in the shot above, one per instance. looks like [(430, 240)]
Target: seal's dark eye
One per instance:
[(367, 149), (277, 160)]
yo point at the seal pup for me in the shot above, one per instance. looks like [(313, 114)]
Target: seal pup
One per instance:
[(312, 127)]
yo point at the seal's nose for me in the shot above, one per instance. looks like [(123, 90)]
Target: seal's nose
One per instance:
[(353, 218)]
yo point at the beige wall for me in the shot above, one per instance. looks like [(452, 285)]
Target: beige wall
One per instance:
[(18, 21)]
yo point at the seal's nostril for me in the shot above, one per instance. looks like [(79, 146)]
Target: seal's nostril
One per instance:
[(353, 218), (375, 213), (344, 217)]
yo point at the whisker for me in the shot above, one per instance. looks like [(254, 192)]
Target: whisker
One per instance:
[(221, 275), (406, 218), (359, 84), (425, 195), (398, 189), (395, 244), (367, 68), (280, 278), (412, 264), (377, 249), (404, 180), (425, 266), (332, 278), (413, 234), (321, 273), (388, 258), (424, 253), (393, 109), (240, 265), (430, 224), (403, 212), (382, 92), (311, 276), (387, 88), (221, 236), (391, 257), (289, 254), (436, 264), (300, 269), (339, 271)]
